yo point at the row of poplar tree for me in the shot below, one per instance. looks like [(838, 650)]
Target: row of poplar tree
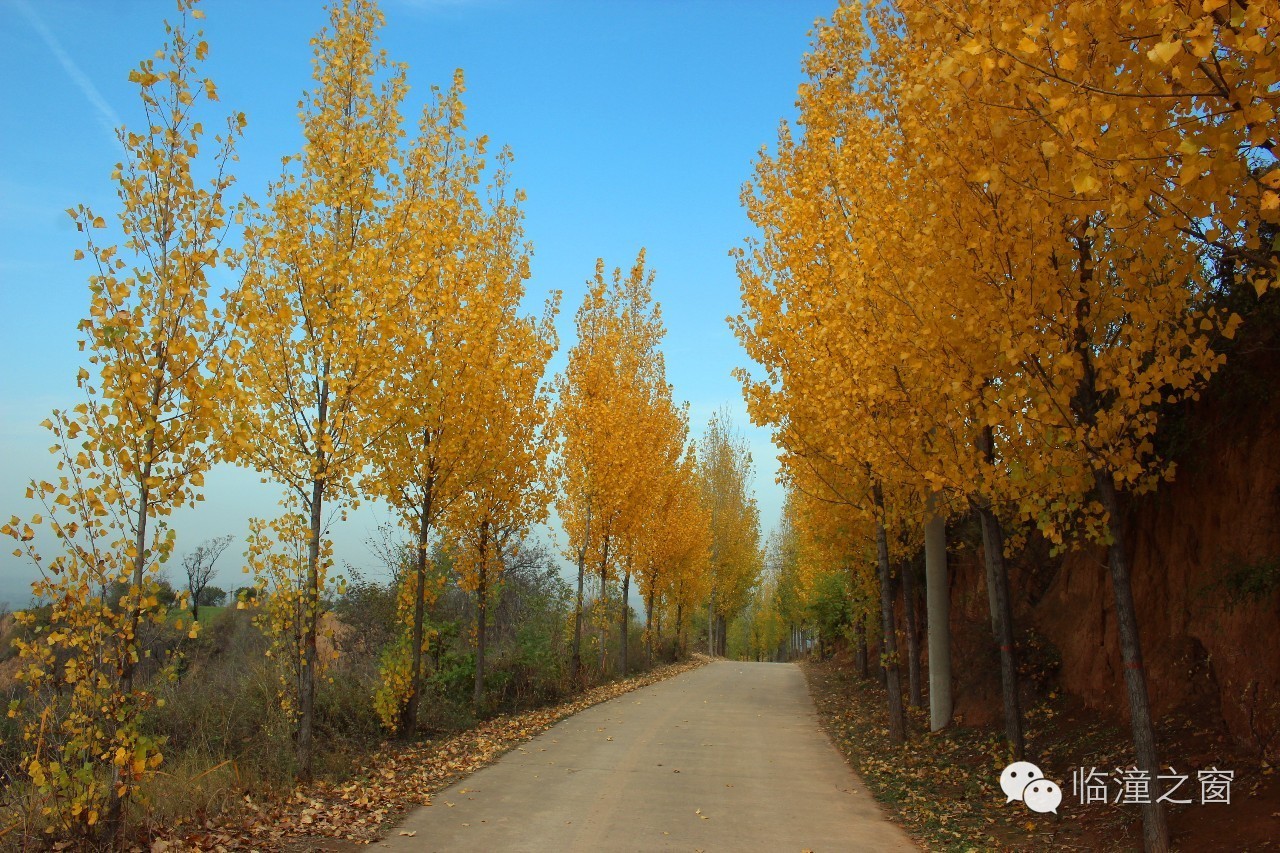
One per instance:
[(369, 345), (998, 246)]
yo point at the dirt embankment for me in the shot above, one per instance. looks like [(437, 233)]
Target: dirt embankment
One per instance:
[(1205, 553)]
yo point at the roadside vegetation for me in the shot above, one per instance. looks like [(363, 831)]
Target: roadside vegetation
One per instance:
[(229, 772)]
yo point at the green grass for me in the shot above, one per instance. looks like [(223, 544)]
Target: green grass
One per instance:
[(207, 615)]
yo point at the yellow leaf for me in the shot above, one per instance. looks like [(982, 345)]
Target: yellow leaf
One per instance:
[(1164, 52), (1084, 182)]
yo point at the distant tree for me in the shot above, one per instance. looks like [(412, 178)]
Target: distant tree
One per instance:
[(199, 568), (212, 596), (165, 595), (725, 472), (368, 608)]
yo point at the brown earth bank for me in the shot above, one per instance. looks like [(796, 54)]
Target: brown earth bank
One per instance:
[(1205, 558), (944, 787), (1205, 553)]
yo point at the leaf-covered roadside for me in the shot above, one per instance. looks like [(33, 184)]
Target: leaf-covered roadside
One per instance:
[(397, 778), (944, 787)]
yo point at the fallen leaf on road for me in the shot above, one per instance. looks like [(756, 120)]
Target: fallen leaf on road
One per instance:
[(410, 832)]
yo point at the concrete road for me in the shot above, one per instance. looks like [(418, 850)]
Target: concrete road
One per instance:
[(728, 757)]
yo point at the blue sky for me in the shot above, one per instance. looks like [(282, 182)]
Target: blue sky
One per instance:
[(633, 122)]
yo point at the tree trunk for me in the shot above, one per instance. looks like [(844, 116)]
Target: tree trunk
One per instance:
[(861, 657), (409, 714), (575, 662), (680, 646), (140, 543), (624, 655), (1002, 623), (1085, 405), (113, 822), (482, 593), (938, 602), (603, 618), (913, 635), (311, 616), (134, 597), (1155, 832), (889, 647), (711, 625), (649, 626)]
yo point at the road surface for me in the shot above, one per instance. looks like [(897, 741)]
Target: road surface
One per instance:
[(728, 757)]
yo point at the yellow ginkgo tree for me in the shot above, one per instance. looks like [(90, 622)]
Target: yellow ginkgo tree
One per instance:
[(602, 399), (509, 495), (442, 345), (317, 306), (725, 471), (1001, 315), (136, 449)]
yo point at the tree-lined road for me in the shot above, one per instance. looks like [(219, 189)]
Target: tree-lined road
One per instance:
[(726, 757)]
